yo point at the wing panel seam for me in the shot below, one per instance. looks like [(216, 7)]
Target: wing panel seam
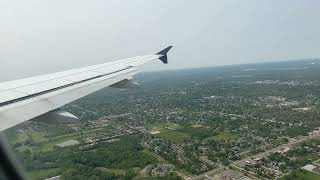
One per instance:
[(58, 88)]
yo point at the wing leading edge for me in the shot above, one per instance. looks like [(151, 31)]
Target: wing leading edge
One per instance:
[(24, 99)]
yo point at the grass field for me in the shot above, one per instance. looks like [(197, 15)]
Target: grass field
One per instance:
[(174, 136), (159, 158), (18, 139), (168, 131), (48, 146), (43, 173), (42, 144), (173, 126), (159, 126), (45, 140), (178, 134), (224, 135), (24, 148), (317, 161), (301, 175), (116, 172), (311, 157), (37, 137)]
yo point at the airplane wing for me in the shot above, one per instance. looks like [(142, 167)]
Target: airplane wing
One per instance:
[(25, 99)]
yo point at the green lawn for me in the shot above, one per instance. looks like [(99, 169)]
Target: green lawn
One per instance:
[(48, 146), (37, 137), (159, 126), (158, 157), (317, 161), (19, 138), (116, 172), (24, 148), (174, 136), (178, 134), (301, 175), (155, 126), (169, 131), (43, 173), (43, 144), (184, 172), (173, 126), (310, 156), (224, 135)]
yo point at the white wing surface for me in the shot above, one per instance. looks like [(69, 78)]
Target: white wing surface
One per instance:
[(24, 99)]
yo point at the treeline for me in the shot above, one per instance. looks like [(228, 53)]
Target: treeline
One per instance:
[(76, 163)]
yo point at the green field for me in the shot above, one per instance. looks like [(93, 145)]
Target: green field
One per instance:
[(301, 175), (37, 137), (116, 172), (18, 139), (317, 161), (174, 136), (159, 126), (178, 134), (224, 136), (43, 173), (168, 131), (159, 158), (24, 148), (48, 146), (42, 144), (173, 126)]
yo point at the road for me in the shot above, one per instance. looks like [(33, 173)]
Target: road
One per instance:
[(292, 143), (240, 163)]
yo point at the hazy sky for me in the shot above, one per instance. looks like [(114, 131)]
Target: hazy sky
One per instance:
[(41, 36)]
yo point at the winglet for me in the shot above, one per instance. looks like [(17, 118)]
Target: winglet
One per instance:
[(164, 57)]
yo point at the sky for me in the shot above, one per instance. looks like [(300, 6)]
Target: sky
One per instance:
[(44, 36)]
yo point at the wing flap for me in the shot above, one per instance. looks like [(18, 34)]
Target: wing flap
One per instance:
[(81, 76), (43, 86), (9, 95)]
